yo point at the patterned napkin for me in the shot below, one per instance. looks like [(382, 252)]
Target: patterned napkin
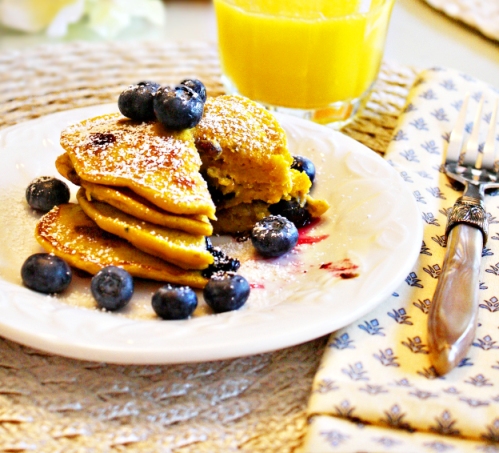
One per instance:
[(376, 390)]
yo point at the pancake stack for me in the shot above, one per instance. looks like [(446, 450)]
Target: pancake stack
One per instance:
[(247, 164), (141, 183), (148, 197)]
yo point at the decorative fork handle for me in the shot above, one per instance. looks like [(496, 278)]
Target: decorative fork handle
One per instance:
[(453, 311)]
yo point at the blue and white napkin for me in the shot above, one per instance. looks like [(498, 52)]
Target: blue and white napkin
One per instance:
[(376, 390)]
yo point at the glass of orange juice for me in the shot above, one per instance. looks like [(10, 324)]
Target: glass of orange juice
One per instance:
[(314, 58)]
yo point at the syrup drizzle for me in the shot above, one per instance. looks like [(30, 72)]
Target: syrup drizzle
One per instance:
[(257, 286), (344, 269), (304, 236)]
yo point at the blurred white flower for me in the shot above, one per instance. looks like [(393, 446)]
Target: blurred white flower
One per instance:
[(105, 17), (33, 16)]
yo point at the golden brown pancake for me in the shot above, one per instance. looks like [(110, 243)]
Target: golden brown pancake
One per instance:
[(158, 164), (128, 201), (244, 151), (177, 247), (247, 164), (65, 168), (69, 233)]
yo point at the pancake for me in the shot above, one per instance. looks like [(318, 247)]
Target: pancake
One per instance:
[(177, 247), (65, 167), (240, 219), (158, 164), (247, 164), (66, 231), (133, 204), (244, 152), (129, 202)]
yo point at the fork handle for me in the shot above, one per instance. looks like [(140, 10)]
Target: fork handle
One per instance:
[(453, 311)]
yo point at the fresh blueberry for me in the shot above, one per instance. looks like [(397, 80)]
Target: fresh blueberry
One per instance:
[(222, 262), (226, 291), (136, 102), (45, 192), (178, 108), (197, 86), (292, 210), (46, 273), (174, 302), (112, 287), (274, 236), (304, 164)]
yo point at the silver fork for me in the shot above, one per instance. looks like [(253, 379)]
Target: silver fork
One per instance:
[(453, 312)]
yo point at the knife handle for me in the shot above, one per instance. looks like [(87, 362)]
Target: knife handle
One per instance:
[(452, 317)]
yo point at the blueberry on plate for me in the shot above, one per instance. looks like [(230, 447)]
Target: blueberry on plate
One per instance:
[(136, 102), (293, 211), (274, 236), (174, 302), (178, 108), (226, 291), (45, 192), (221, 261), (304, 164), (197, 86), (112, 288), (46, 273)]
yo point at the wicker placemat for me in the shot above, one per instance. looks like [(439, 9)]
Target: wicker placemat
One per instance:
[(256, 404)]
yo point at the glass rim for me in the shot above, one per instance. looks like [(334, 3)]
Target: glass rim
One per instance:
[(251, 8)]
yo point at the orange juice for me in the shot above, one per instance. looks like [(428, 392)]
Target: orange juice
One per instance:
[(302, 54)]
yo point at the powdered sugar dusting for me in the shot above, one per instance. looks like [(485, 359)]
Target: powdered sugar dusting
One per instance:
[(243, 122), (161, 165)]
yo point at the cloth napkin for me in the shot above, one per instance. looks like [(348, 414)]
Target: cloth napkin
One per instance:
[(376, 390)]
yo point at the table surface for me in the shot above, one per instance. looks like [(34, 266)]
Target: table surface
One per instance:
[(418, 36)]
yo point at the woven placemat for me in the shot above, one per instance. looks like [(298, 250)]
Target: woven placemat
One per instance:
[(54, 404)]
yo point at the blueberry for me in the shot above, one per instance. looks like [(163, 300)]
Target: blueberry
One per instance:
[(45, 192), (222, 262), (46, 273), (136, 102), (178, 108), (197, 86), (274, 236), (112, 287), (174, 302), (304, 164), (292, 210), (226, 291)]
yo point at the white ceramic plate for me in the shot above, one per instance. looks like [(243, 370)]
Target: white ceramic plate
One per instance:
[(373, 222)]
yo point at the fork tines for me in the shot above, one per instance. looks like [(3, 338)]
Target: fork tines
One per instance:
[(470, 155)]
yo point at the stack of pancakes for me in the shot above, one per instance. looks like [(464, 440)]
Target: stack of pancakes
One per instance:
[(247, 164), (139, 182), (147, 195)]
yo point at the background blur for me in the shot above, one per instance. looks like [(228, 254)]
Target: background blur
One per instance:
[(419, 36)]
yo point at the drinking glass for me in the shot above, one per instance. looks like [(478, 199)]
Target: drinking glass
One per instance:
[(314, 58)]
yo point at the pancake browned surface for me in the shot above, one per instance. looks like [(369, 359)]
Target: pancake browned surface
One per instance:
[(177, 247), (160, 165), (69, 233), (129, 202)]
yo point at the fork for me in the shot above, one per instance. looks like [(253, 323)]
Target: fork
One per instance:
[(452, 318)]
